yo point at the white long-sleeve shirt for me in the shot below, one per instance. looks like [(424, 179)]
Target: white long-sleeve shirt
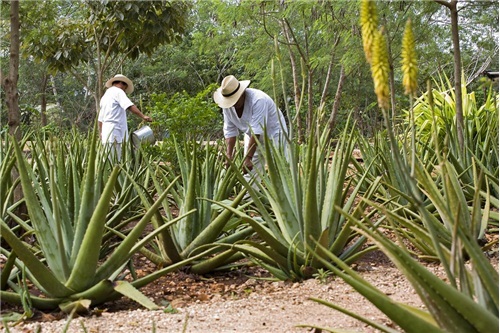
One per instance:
[(259, 112)]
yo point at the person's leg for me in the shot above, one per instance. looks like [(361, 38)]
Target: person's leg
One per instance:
[(114, 151), (111, 138), (118, 150), (280, 143)]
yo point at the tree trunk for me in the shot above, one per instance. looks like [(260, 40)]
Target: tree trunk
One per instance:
[(296, 86), (326, 87), (56, 94), (457, 68), (336, 101), (12, 96), (310, 107), (43, 103), (458, 73), (10, 82)]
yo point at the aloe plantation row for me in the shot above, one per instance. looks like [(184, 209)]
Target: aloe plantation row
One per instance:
[(317, 207)]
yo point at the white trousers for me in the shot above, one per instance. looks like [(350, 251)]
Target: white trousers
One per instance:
[(259, 160), (115, 151)]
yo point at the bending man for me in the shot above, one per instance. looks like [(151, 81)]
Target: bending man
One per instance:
[(249, 111)]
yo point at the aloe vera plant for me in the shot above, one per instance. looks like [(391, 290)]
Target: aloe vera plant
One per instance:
[(65, 262), (474, 177), (302, 192), (448, 309), (202, 178), (435, 123), (468, 301)]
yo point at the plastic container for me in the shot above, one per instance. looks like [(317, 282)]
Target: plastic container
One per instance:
[(143, 135)]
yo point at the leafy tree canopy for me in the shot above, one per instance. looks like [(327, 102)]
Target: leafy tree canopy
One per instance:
[(68, 33)]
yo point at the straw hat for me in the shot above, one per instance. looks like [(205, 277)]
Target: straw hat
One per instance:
[(123, 78), (230, 91)]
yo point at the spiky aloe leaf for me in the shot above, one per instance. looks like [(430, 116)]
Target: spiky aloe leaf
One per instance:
[(123, 252), (7, 269), (260, 252), (84, 269), (217, 261), (88, 197), (186, 229), (452, 309), (264, 232), (128, 290), (214, 229), (312, 223), (79, 306), (148, 238), (374, 324), (141, 282), (169, 249), (47, 239), (282, 191), (275, 231), (408, 320), (6, 188), (486, 277), (47, 279), (40, 303)]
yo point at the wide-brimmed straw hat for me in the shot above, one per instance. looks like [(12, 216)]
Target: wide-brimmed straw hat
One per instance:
[(122, 78), (230, 91)]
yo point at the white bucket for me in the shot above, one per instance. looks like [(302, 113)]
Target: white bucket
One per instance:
[(143, 135)]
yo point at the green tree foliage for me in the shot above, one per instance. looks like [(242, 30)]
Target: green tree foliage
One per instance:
[(186, 117), (102, 35), (214, 38), (183, 117)]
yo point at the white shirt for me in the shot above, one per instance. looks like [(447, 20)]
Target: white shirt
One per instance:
[(259, 112), (113, 116)]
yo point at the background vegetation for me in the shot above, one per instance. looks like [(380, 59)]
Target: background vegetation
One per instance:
[(314, 47)]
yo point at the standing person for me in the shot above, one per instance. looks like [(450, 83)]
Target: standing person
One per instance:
[(114, 103), (249, 111)]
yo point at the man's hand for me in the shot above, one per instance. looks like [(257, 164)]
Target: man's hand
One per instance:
[(227, 163), (147, 118), (230, 142), (247, 165)]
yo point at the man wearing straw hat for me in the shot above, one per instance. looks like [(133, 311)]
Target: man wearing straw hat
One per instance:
[(114, 103), (252, 112)]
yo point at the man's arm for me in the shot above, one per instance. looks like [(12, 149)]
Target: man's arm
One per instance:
[(230, 142), (135, 110), (252, 147)]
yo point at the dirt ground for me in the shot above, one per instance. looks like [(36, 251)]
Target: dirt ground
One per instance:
[(240, 301)]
